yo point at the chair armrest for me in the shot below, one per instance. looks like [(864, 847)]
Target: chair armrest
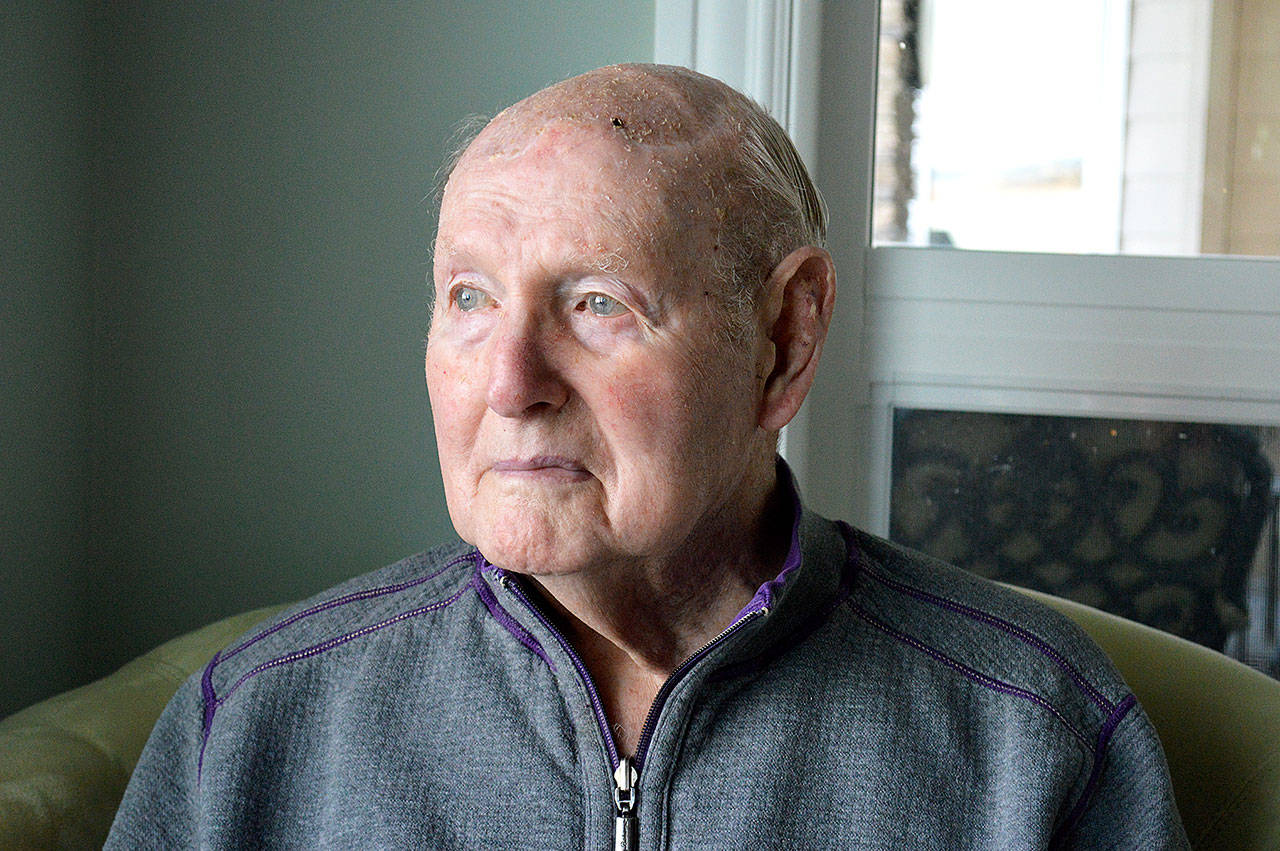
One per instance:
[(65, 762), (1218, 720)]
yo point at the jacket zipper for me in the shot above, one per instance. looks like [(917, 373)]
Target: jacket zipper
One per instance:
[(651, 720), (626, 769), (626, 827)]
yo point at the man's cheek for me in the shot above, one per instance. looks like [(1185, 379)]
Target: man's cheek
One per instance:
[(455, 392), (642, 397)]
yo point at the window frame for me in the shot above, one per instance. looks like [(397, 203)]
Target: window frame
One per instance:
[(1114, 335)]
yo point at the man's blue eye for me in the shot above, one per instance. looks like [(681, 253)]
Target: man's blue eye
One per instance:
[(468, 298), (603, 305)]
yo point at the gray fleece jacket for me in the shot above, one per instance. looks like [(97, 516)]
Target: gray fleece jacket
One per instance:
[(866, 698)]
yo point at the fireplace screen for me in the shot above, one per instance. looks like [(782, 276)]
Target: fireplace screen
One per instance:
[(1169, 524)]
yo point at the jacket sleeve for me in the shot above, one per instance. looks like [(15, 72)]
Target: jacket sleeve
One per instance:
[(161, 804), (1129, 802)]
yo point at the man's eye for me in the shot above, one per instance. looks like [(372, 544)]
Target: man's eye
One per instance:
[(469, 298), (603, 305)]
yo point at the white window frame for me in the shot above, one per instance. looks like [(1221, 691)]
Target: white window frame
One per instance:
[(1176, 338)]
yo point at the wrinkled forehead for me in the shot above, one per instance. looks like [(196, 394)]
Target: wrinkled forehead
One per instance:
[(567, 183), (647, 148)]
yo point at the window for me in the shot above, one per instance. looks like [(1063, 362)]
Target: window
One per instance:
[(1132, 126), (1036, 333)]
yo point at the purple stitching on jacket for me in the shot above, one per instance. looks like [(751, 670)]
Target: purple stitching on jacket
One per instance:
[(367, 594), (970, 673), (212, 702), (209, 698), (503, 617), (317, 649), (1099, 758), (1013, 629), (597, 705)]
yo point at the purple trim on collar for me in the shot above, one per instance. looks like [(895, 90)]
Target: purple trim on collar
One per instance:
[(1120, 712), (503, 617), (806, 628), (767, 593), (597, 705)]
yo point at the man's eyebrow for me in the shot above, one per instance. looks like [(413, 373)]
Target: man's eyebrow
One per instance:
[(442, 245), (610, 263), (451, 250)]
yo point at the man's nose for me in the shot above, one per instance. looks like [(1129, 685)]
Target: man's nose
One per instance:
[(522, 376)]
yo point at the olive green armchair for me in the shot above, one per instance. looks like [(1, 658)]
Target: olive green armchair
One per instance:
[(64, 763), (1219, 722)]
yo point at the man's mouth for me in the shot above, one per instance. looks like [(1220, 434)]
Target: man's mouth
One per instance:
[(549, 466)]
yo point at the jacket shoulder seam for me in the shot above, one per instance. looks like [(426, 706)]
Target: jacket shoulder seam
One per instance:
[(1082, 683), (338, 602), (212, 701)]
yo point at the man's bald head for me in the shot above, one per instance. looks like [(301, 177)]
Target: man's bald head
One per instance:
[(717, 160)]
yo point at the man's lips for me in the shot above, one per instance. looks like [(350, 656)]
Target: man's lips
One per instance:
[(555, 466)]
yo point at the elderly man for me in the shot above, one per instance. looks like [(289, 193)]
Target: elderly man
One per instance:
[(646, 640)]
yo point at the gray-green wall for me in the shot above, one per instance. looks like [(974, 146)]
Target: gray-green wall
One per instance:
[(44, 346), (217, 397)]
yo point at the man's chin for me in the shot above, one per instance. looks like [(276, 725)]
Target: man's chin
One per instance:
[(535, 532), (536, 554)]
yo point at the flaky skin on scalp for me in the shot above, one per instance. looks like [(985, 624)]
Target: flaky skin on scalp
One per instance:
[(719, 159)]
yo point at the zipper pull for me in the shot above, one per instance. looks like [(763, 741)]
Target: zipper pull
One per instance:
[(626, 828)]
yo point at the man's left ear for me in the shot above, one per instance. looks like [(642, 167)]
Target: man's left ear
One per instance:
[(796, 307)]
